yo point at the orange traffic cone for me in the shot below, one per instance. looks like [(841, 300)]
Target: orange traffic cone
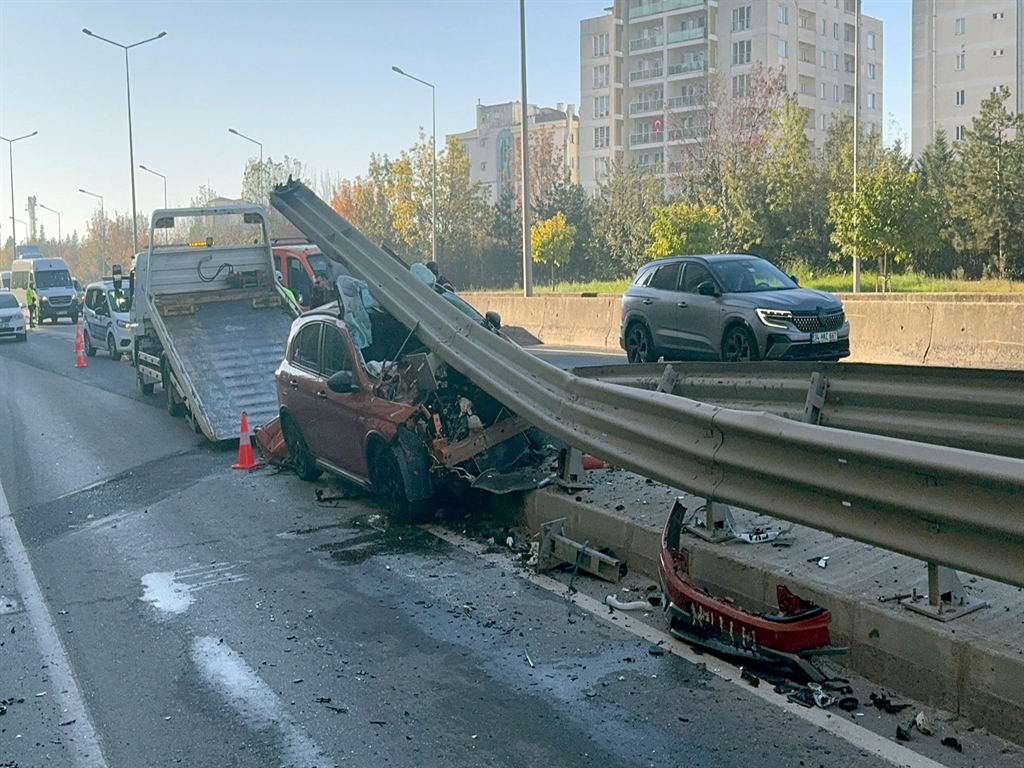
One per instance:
[(246, 460), (79, 345)]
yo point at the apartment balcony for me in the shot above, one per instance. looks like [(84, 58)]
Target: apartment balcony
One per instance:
[(682, 102), (683, 134), (687, 35), (646, 74), (656, 168), (649, 9), (806, 68), (807, 35), (651, 137), (651, 105), (687, 67), (643, 43)]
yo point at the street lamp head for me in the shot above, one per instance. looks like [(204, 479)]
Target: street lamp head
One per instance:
[(88, 32), (82, 190), (160, 35), (32, 134), (398, 70), (232, 130)]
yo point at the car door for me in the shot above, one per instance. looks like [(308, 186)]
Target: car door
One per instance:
[(302, 382), (660, 307), (703, 314), (343, 415), (95, 323)]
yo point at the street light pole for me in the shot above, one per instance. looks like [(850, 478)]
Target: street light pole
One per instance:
[(242, 135), (433, 140), (524, 120), (856, 153), (156, 173), (10, 155), (60, 237), (103, 233), (131, 145)]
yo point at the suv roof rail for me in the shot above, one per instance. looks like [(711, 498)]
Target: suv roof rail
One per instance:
[(276, 241)]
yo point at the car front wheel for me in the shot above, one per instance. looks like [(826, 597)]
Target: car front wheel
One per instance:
[(302, 459), (739, 345), (386, 479), (90, 350), (639, 346)]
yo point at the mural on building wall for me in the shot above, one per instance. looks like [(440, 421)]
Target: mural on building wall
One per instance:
[(503, 152)]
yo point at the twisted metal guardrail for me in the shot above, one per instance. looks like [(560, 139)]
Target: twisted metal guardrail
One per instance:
[(943, 505), (973, 409)]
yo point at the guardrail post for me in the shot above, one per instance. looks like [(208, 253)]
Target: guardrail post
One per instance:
[(716, 525), (570, 470), (946, 598), (815, 401)]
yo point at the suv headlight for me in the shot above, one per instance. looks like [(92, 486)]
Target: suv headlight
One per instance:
[(44, 298), (776, 318), (122, 324)]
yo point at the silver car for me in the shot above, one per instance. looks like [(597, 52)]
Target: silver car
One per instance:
[(731, 307), (12, 317)]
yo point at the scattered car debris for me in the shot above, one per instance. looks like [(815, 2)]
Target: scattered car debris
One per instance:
[(750, 677), (895, 598), (656, 650), (901, 734), (883, 702), (339, 710), (758, 536), (530, 661), (802, 696), (923, 724), (848, 704), (556, 548), (953, 743), (821, 698), (631, 605)]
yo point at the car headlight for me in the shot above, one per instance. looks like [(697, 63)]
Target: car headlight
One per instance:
[(775, 317), (122, 324), (44, 298)]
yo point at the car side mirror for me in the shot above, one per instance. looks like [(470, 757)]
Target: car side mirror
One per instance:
[(794, 279), (494, 319), (116, 271), (707, 288), (341, 382)]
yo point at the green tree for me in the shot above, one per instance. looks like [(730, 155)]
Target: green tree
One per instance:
[(259, 180), (624, 211), (991, 195), (552, 242), (571, 199), (937, 169), (684, 228)]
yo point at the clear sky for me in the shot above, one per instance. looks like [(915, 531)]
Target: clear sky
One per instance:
[(312, 80)]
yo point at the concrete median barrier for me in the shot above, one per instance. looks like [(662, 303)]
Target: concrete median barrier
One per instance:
[(955, 329)]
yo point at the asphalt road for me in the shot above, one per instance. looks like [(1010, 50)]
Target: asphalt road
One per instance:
[(159, 609)]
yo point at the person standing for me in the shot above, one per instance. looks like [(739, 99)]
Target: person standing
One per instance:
[(441, 280), (30, 299)]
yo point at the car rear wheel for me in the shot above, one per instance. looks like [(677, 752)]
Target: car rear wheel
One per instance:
[(739, 345), (386, 478), (639, 346), (90, 350), (302, 459)]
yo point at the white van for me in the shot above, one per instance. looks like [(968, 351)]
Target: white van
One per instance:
[(55, 293), (106, 323)]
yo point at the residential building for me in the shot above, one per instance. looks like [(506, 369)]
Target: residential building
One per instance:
[(963, 49), (646, 67), (494, 144)]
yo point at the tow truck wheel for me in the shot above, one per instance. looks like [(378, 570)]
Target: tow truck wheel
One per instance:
[(145, 386), (174, 406), (302, 459), (90, 350), (386, 478)]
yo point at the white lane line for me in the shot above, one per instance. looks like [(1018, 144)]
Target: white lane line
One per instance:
[(847, 730), (82, 739), (255, 701)]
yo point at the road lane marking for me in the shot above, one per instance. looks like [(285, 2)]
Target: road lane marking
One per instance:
[(255, 701), (83, 742), (834, 724)]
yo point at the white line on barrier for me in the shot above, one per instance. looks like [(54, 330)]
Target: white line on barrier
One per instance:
[(847, 730), (85, 748)]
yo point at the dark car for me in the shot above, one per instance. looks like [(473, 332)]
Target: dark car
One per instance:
[(731, 307), (393, 418)]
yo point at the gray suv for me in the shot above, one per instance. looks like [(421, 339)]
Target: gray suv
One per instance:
[(729, 307)]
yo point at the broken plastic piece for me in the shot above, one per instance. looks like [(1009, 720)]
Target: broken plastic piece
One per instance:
[(848, 704), (902, 735), (923, 724), (632, 605), (953, 743)]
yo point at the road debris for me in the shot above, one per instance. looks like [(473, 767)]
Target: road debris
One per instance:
[(923, 724), (902, 735), (883, 702), (953, 743), (848, 704), (631, 605), (821, 698)]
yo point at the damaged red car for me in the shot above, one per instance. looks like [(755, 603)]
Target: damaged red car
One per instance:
[(388, 415)]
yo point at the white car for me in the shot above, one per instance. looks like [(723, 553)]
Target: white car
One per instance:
[(106, 323), (12, 317)]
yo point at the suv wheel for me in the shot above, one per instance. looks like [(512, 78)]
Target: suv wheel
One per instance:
[(639, 345), (302, 459), (386, 479), (739, 345)]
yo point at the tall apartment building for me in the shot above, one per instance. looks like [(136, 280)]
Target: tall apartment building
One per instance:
[(495, 141), (645, 67), (962, 50)]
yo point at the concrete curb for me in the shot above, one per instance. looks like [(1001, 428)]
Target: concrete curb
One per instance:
[(908, 653)]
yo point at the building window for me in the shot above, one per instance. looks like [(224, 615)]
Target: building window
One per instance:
[(601, 76), (601, 45), (783, 15), (835, 30), (871, 41), (741, 52), (961, 97), (601, 167), (783, 49), (871, 71), (824, 91), (850, 33), (483, 166), (824, 27), (960, 133), (850, 6), (740, 84), (961, 62), (871, 101), (835, 61), (997, 53), (961, 26), (997, 16), (600, 106), (823, 122), (824, 58), (602, 136), (741, 18), (835, 93)]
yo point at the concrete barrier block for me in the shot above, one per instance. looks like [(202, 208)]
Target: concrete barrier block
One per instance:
[(992, 693)]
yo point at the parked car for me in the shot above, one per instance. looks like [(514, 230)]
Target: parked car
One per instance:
[(393, 418), (12, 317), (80, 291), (731, 307), (106, 324), (56, 295)]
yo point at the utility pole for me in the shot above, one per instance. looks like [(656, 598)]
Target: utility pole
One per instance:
[(10, 155), (856, 144), (524, 119)]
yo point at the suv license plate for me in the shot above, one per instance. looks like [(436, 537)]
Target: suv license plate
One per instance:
[(824, 337)]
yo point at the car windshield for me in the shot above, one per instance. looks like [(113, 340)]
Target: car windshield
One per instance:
[(119, 300), (749, 275), (463, 307), (53, 278), (7, 301), (318, 263)]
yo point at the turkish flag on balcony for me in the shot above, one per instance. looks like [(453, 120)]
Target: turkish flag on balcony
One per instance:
[(658, 124)]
